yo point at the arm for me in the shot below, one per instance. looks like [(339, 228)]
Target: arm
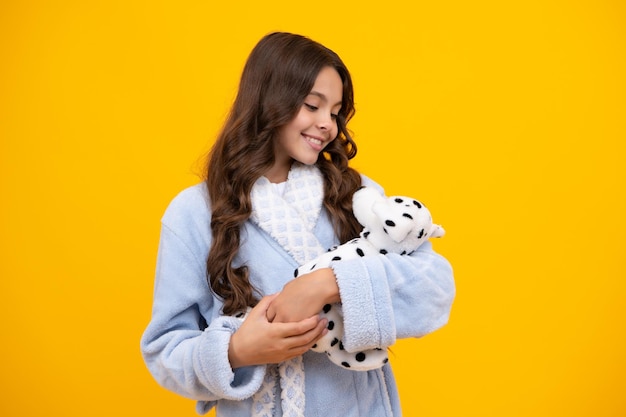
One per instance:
[(304, 296), (393, 296), (384, 297), (183, 353)]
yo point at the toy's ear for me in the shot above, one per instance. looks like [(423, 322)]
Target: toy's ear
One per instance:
[(368, 194), (362, 203), (397, 229)]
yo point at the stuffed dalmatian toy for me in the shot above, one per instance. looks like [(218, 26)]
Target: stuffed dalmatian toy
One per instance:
[(394, 224)]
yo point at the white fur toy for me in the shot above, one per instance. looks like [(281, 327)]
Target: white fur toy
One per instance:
[(394, 224)]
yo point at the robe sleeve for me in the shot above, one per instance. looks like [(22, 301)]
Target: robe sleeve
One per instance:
[(184, 347)]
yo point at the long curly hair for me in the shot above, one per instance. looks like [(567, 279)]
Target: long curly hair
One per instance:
[(277, 77)]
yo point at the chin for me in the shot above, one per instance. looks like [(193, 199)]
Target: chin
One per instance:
[(308, 160)]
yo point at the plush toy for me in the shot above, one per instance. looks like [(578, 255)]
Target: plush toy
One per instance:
[(394, 224)]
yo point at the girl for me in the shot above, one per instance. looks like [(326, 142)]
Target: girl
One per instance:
[(278, 192)]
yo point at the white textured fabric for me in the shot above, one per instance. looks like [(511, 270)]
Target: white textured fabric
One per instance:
[(263, 400), (289, 219)]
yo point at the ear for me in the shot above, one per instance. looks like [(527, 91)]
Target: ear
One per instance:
[(362, 202), (397, 229)]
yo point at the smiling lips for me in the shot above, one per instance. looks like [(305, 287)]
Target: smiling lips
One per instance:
[(315, 142)]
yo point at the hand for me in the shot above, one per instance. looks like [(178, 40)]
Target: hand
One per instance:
[(304, 297), (259, 342)]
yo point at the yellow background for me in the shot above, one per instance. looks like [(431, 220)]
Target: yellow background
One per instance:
[(506, 118)]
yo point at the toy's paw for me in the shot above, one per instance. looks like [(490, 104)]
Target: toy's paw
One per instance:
[(358, 361), (331, 312), (243, 315), (331, 344)]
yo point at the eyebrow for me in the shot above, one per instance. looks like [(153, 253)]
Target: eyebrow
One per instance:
[(323, 97)]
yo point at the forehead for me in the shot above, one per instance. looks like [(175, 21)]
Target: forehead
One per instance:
[(328, 86)]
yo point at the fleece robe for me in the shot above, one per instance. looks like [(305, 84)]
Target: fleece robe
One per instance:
[(384, 298)]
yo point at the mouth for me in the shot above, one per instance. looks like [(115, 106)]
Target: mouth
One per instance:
[(315, 142)]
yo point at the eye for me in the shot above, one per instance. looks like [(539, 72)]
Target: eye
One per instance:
[(310, 107), (334, 116)]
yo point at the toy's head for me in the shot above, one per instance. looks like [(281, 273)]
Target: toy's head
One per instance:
[(395, 224)]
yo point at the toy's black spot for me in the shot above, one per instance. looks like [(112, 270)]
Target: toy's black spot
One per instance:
[(420, 234), (385, 360), (331, 325), (403, 252), (389, 223), (360, 357), (407, 215), (385, 230), (295, 273), (346, 364), (377, 349), (341, 345), (337, 258), (366, 234), (314, 346), (398, 200), (326, 308), (313, 267), (334, 342), (417, 204), (383, 251), (359, 252), (354, 241)]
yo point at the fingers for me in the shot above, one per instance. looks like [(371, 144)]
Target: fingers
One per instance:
[(260, 310), (270, 314), (302, 341), (261, 341)]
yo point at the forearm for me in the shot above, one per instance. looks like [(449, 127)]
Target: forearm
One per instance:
[(323, 282), (195, 364), (305, 296)]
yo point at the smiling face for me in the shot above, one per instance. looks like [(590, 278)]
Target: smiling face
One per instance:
[(313, 127)]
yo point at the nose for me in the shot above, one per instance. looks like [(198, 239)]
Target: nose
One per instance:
[(325, 122)]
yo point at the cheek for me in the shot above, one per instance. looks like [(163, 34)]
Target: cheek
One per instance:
[(335, 138)]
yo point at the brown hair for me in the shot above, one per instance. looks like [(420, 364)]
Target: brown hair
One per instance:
[(278, 75)]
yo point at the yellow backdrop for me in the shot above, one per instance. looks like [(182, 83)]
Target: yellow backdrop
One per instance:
[(506, 118)]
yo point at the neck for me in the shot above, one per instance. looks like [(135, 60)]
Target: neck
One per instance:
[(279, 172)]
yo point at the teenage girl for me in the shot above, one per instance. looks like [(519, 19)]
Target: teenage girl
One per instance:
[(278, 192)]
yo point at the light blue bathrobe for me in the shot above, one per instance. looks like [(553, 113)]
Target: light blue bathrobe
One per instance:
[(185, 345)]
